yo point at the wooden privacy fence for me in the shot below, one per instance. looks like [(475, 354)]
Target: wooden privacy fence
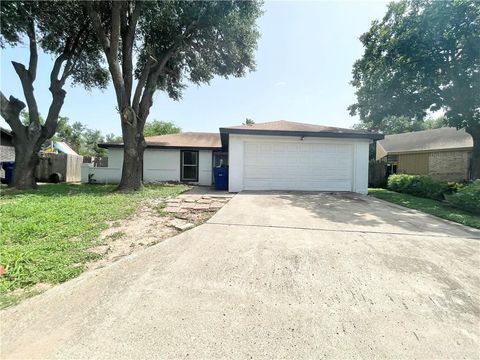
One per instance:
[(377, 173), (59, 167)]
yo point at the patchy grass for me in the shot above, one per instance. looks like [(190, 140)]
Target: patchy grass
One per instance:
[(428, 206), (46, 234), (161, 209), (117, 235)]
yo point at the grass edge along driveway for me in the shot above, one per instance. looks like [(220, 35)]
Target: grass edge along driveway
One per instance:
[(46, 234), (428, 206)]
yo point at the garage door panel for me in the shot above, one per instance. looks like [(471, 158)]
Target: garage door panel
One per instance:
[(261, 184), (298, 166)]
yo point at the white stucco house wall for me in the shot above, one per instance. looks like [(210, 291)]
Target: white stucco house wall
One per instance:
[(279, 155)]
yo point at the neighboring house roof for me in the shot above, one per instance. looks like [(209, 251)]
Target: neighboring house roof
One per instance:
[(186, 140), (6, 131), (290, 128), (445, 138), (63, 147)]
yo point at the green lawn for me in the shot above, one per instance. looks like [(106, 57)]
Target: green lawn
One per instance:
[(45, 234), (429, 206)]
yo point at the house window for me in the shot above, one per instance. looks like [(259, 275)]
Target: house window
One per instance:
[(189, 165), (392, 164)]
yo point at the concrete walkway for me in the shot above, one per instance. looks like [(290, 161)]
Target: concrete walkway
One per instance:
[(272, 275)]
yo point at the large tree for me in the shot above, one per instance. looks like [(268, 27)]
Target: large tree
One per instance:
[(402, 124), (72, 134), (158, 45), (424, 56), (60, 29)]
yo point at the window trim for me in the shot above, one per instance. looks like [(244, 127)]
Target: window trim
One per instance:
[(182, 178)]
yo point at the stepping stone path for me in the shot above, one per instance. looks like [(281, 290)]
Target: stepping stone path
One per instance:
[(188, 202)]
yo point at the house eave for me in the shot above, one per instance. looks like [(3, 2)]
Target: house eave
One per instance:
[(166, 147), (225, 132), (328, 134)]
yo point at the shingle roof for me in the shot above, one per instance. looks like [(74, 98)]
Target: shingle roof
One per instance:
[(291, 126), (427, 140), (6, 131), (197, 140)]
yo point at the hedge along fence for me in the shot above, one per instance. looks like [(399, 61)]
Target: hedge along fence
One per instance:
[(423, 186)]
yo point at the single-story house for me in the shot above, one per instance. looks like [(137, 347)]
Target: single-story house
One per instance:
[(278, 155), (442, 153)]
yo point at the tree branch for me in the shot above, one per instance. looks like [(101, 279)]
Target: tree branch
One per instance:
[(72, 54), (97, 25), (32, 64), (112, 56), (128, 38), (58, 96), (154, 72), (151, 82), (10, 111), (140, 85), (27, 86), (57, 66), (115, 28)]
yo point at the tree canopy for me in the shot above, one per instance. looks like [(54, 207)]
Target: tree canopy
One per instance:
[(423, 56), (172, 43), (402, 124)]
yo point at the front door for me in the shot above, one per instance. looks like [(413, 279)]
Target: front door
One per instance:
[(189, 165)]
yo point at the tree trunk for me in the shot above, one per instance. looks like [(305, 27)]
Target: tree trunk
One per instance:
[(27, 141), (133, 148), (474, 131), (26, 161)]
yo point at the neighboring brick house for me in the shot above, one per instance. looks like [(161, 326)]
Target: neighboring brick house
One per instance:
[(7, 151), (442, 153)]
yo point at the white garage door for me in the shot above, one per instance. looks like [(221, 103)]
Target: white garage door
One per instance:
[(298, 166)]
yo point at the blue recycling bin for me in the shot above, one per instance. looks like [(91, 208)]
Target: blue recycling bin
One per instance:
[(221, 178), (8, 166)]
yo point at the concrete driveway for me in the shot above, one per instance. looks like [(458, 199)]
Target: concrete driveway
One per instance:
[(272, 275)]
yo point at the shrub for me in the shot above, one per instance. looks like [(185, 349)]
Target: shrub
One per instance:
[(467, 197), (423, 186), (455, 186)]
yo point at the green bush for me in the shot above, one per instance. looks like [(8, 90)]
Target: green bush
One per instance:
[(423, 186), (455, 186), (467, 197)]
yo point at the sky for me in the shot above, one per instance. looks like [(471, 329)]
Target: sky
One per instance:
[(304, 62)]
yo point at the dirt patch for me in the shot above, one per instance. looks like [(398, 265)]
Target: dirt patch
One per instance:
[(154, 221)]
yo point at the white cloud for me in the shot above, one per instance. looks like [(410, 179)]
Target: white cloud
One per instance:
[(280, 83)]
